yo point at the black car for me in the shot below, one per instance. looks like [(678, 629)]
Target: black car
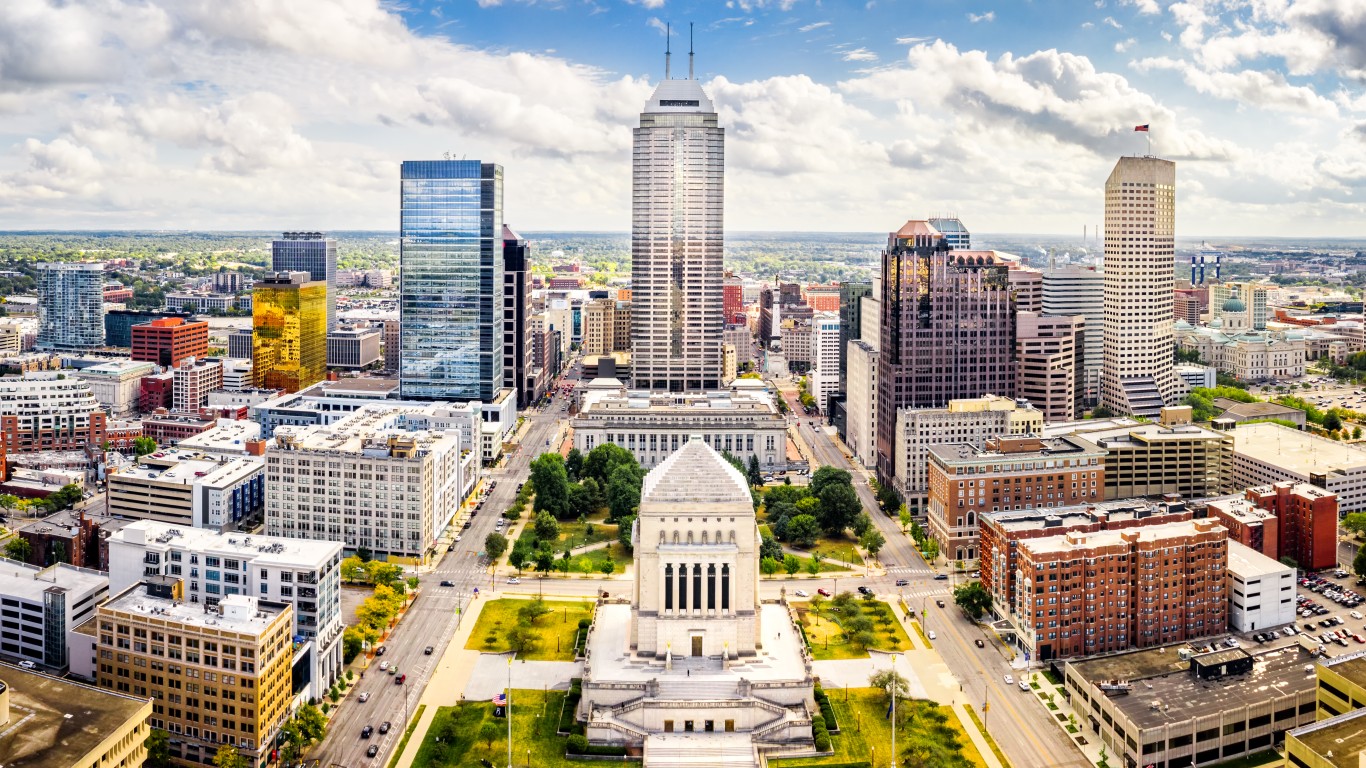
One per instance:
[(380, 650), (978, 642), (366, 731), (864, 591), (372, 751), (428, 651), (902, 582), (447, 583), (385, 726)]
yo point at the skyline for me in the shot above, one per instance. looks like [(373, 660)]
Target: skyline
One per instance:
[(225, 116)]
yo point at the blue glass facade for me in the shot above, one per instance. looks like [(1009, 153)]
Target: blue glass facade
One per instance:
[(451, 271)]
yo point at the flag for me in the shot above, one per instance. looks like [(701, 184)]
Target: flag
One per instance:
[(1141, 128), (500, 699)]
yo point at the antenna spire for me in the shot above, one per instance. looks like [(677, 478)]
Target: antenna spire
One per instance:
[(668, 44), (690, 75)]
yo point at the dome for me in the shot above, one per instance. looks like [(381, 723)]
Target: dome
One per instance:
[(1234, 304)]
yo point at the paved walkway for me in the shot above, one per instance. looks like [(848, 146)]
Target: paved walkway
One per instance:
[(490, 675)]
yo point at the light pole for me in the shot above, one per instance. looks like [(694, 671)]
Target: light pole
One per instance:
[(895, 680), (509, 709)]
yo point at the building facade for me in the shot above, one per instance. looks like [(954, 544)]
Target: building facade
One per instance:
[(40, 606), (1157, 459), (517, 362), (192, 381), (1261, 591), (606, 327), (451, 280), (44, 412), (825, 359), (240, 344), (289, 331), (861, 401), (118, 323), (1268, 453), (310, 252), (1050, 371), (116, 385), (1072, 291), (1140, 227), (193, 490), (169, 341), (1308, 522), (70, 306), (678, 180), (353, 348)]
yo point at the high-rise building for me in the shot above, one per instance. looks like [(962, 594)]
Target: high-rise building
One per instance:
[(1250, 297), (955, 234), (733, 299), (118, 323), (861, 400), (1140, 225), (240, 343), (193, 380), (1048, 352), (42, 412), (71, 306), (169, 341), (517, 366), (1028, 285), (851, 323), (353, 347), (676, 236), (313, 253), (289, 331), (1070, 291), (947, 329), (606, 327), (825, 358), (451, 245)]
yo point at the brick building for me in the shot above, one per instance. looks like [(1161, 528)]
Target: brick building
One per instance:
[(733, 300), (1024, 472), (1308, 521), (49, 412), (73, 537), (156, 391), (169, 341)]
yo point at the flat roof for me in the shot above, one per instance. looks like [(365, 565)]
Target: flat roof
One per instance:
[(1248, 563), (1067, 542), (1343, 737), (1118, 437), (1164, 692), (1241, 509), (228, 435), (1118, 510), (1296, 451), (70, 518), (260, 550), (29, 582), (190, 467), (243, 614), (61, 721)]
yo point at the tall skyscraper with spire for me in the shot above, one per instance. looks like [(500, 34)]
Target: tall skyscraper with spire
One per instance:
[(678, 170), (1140, 272)]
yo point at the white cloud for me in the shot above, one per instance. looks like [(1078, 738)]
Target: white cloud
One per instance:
[(651, 4), (815, 25), (859, 54), (977, 18), (910, 40), (654, 23), (1266, 90), (1144, 6), (1124, 45), (1110, 21)]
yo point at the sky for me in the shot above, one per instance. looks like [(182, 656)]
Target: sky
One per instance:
[(839, 116)]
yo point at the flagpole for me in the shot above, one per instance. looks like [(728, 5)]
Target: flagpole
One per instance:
[(508, 712)]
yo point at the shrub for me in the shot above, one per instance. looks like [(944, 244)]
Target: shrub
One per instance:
[(578, 744), (583, 623), (818, 723), (822, 741)]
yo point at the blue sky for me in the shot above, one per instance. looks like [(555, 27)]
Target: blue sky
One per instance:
[(840, 116)]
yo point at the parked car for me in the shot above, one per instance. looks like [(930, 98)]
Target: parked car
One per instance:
[(380, 650), (1024, 686), (26, 664)]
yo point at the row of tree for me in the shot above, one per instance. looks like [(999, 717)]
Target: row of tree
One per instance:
[(828, 505)]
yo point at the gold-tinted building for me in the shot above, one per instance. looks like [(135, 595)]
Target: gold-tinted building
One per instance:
[(216, 674), (289, 325)]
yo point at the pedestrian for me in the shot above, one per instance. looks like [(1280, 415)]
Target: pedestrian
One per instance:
[(690, 673)]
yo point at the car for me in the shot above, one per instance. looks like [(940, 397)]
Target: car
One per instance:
[(1010, 680), (1325, 623), (1308, 627), (400, 680), (975, 575), (393, 670), (823, 592), (939, 603), (978, 642), (447, 583), (26, 664), (863, 590), (514, 580), (802, 593), (428, 651), (366, 731), (364, 697), (383, 665), (902, 582), (941, 577), (457, 538), (1290, 630), (1024, 686), (1356, 615), (380, 650), (385, 726), (372, 750), (930, 634)]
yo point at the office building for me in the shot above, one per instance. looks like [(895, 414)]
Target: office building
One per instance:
[(240, 344), (41, 605), (1268, 453), (1050, 373), (860, 403), (116, 385), (947, 329), (229, 282), (118, 323), (1071, 291), (206, 303), (852, 295), (234, 659), (606, 327), (11, 338), (1250, 300), (1140, 225), (733, 299), (169, 341), (192, 381), (1261, 591), (451, 278), (740, 337), (973, 420), (43, 412), (353, 348), (678, 177), (289, 331), (1157, 459), (309, 252), (743, 420), (517, 363), (305, 573), (1340, 685), (825, 359), (1027, 283), (956, 235), (42, 730), (392, 343), (796, 345), (237, 376), (426, 473), (967, 480), (156, 391), (190, 489), (1190, 304), (70, 306), (117, 293)]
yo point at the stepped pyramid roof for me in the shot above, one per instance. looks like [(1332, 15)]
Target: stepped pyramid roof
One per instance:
[(695, 473)]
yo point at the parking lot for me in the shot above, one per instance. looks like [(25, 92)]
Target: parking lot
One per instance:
[(1323, 392)]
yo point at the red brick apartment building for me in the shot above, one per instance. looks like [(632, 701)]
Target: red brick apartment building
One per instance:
[(1090, 593), (1295, 520), (1017, 473), (169, 341)]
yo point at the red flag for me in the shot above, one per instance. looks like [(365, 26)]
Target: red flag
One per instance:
[(1141, 128)]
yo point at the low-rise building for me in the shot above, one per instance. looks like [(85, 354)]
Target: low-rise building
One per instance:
[(40, 606), (116, 384), (1269, 453), (1337, 742), (192, 381), (240, 343), (1261, 591), (1234, 412), (353, 348), (324, 403), (237, 375), (742, 419), (169, 427), (191, 489), (1158, 459), (201, 303), (77, 537), (118, 323), (169, 341), (228, 437), (41, 728)]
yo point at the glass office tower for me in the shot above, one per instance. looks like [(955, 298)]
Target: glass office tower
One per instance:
[(451, 270), (70, 306), (313, 253), (289, 331)]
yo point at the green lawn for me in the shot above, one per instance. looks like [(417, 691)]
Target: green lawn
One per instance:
[(454, 740), (826, 636), (575, 534), (591, 562), (864, 726), (555, 630)]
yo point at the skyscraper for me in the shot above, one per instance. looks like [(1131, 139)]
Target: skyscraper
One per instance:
[(451, 270), (1077, 290), (955, 234), (516, 308), (70, 306), (677, 310), (312, 253), (289, 331), (947, 329), (1140, 222), (851, 323)]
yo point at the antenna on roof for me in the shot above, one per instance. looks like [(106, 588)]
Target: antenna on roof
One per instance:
[(668, 41), (690, 50)]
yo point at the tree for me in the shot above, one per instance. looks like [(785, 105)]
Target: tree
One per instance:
[(384, 574), (623, 491), (144, 445), (931, 549), (594, 498), (1101, 412), (495, 544), (791, 564), (228, 757), (769, 547), (624, 526), (573, 464), (755, 477), (813, 565), (604, 459), (1356, 433), (769, 566), (546, 528), (803, 530), (861, 524), (544, 558), (352, 644), (1331, 421), (904, 515), (580, 502), (889, 681), (158, 750), (312, 724), (1355, 522), (839, 506), (532, 610), (606, 565), (1289, 562), (19, 549), (489, 733), (551, 481), (522, 638), (973, 598), (828, 475), (517, 558), (872, 541), (1359, 562)]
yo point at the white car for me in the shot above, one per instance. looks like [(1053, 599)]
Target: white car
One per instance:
[(930, 634), (1010, 679), (1355, 614), (514, 580), (383, 665), (802, 593), (457, 537)]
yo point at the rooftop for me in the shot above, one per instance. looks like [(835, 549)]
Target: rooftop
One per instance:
[(1339, 740), (1295, 451), (378, 429), (242, 614), (695, 473), (29, 582), (601, 395), (178, 466), (117, 368), (61, 721), (260, 550), (230, 435), (1013, 449), (71, 518), (1118, 511), (1258, 410), (1247, 563), (368, 386), (1242, 510), (1144, 434), (1079, 542)]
